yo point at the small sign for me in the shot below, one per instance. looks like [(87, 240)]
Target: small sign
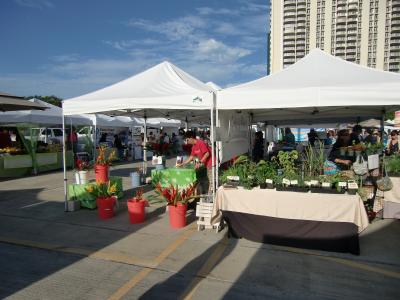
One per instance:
[(326, 184), (233, 178), (342, 184), (294, 182), (307, 183), (285, 181), (269, 181), (314, 182), (352, 185)]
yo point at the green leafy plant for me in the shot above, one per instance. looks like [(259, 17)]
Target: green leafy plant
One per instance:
[(265, 170), (314, 161), (245, 169), (376, 148), (392, 163), (286, 161)]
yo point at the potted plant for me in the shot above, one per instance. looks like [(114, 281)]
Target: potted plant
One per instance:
[(105, 198), (81, 172), (102, 164), (264, 173), (392, 165), (352, 187), (290, 180), (177, 200), (136, 207)]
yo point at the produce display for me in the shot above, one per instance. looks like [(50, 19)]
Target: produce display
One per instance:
[(11, 151)]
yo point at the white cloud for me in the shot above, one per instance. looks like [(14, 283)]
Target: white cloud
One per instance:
[(177, 29), (216, 51), (126, 45), (41, 4), (205, 11)]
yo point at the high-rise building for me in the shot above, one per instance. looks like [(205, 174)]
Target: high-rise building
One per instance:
[(361, 31)]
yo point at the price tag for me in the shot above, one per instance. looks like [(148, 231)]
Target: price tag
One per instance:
[(233, 178), (326, 184), (286, 181), (269, 181), (342, 184), (352, 185), (307, 183), (314, 182), (294, 182)]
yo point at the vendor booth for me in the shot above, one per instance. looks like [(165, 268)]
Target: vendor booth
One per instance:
[(317, 89), (162, 91)]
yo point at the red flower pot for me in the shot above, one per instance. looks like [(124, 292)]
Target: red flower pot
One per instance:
[(101, 172), (136, 211), (177, 215), (105, 207)]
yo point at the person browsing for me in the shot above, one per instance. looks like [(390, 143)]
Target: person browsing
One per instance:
[(203, 152)]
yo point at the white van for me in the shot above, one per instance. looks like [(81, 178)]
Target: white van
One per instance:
[(49, 135)]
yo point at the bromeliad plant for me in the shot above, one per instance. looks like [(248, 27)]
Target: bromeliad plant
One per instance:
[(174, 195), (102, 190), (82, 165), (138, 195), (103, 159)]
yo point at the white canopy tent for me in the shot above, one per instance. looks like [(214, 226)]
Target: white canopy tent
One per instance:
[(318, 87), (52, 115), (161, 91)]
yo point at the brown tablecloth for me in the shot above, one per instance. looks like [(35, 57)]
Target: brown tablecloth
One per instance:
[(291, 205)]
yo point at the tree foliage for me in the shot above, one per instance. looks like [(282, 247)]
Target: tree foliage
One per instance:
[(49, 99)]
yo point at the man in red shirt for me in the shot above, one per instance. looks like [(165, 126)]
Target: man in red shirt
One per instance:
[(203, 152)]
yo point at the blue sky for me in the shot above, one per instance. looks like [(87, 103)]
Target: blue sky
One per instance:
[(70, 47)]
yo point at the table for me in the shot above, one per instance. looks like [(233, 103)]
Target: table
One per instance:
[(78, 192), (180, 177), (307, 220), (21, 165), (391, 204)]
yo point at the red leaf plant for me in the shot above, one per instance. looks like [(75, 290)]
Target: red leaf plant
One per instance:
[(174, 195)]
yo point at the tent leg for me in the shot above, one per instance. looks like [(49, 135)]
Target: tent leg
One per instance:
[(145, 147), (216, 151), (94, 138), (64, 166), (132, 145), (212, 137), (382, 124)]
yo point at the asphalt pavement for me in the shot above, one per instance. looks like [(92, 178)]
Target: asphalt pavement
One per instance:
[(46, 253)]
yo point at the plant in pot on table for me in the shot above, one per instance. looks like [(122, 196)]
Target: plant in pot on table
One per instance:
[(290, 179), (81, 172), (177, 201), (265, 173), (103, 163), (136, 207), (106, 198)]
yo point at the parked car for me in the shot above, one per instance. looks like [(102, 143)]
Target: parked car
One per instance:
[(48, 135)]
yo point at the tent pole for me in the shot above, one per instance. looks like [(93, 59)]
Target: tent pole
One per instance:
[(94, 137), (382, 124), (217, 150), (64, 165), (132, 145), (145, 146), (212, 137)]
